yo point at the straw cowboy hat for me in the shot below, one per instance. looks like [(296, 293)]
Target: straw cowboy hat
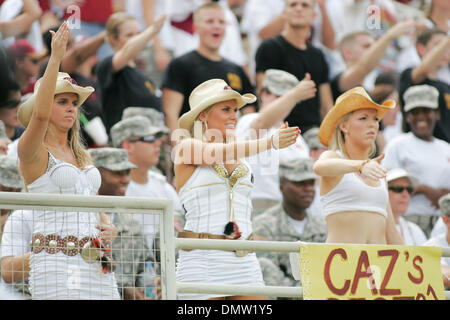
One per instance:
[(351, 100), (209, 93), (64, 84)]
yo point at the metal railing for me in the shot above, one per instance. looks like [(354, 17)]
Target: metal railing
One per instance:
[(109, 204), (168, 243)]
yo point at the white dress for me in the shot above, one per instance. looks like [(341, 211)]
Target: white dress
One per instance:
[(205, 197), (59, 276)]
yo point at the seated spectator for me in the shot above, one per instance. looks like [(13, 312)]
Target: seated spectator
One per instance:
[(129, 249), (24, 62), (290, 220), (433, 47), (205, 62), (9, 105), (280, 93), (443, 240), (401, 185), (121, 82), (423, 155)]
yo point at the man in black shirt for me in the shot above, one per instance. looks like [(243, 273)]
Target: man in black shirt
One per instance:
[(191, 69), (433, 47), (291, 52)]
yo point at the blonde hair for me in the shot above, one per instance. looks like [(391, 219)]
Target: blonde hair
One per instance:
[(209, 5), (198, 129), (76, 144), (337, 140), (114, 22)]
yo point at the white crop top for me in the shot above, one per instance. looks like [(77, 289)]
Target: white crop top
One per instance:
[(352, 194)]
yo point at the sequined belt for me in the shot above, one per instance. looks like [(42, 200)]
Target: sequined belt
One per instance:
[(206, 235), (91, 249)]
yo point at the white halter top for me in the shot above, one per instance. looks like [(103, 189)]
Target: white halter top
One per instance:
[(352, 194)]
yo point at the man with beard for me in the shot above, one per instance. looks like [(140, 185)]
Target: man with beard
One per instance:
[(423, 155)]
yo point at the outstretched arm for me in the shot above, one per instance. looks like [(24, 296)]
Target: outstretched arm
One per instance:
[(21, 23)]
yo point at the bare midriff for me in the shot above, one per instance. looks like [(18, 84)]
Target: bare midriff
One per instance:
[(357, 227)]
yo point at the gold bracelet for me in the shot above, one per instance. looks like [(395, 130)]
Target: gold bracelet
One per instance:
[(362, 165)]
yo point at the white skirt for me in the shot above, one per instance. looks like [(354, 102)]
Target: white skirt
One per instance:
[(216, 267), (61, 277)]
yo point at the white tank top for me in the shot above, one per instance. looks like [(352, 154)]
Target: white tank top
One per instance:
[(352, 194)]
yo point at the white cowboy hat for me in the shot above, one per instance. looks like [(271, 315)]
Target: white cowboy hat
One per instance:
[(64, 84), (208, 93)]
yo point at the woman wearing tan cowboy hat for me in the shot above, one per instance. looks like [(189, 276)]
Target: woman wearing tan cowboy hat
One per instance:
[(353, 188), (53, 160), (215, 184)]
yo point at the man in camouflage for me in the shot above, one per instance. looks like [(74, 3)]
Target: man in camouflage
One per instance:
[(129, 249), (289, 220)]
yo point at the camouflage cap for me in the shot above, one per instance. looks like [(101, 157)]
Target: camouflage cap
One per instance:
[(312, 138), (444, 204), (279, 82), (136, 126), (113, 159), (156, 117), (422, 96), (299, 169), (9, 173), (2, 130)]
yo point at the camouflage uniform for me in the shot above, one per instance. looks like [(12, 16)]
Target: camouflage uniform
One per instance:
[(273, 225)]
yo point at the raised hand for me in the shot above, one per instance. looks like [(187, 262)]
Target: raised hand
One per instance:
[(284, 136), (59, 40), (157, 24), (306, 89), (373, 169)]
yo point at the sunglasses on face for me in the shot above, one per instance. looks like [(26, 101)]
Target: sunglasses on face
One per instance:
[(149, 139), (400, 189)]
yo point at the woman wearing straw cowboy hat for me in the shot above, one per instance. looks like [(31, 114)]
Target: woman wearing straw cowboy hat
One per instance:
[(215, 183), (64, 264), (353, 189)]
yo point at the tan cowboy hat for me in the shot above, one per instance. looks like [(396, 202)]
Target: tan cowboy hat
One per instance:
[(351, 100), (208, 93), (64, 84)]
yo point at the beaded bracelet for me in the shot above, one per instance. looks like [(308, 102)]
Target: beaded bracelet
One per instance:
[(362, 165)]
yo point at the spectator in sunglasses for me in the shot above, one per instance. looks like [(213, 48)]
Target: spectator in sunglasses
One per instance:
[(24, 62), (400, 186)]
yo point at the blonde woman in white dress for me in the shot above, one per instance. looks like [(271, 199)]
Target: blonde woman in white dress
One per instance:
[(215, 184), (53, 160)]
